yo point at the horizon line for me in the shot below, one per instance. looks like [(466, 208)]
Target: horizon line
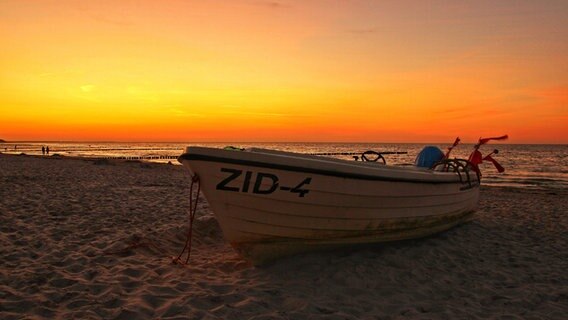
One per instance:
[(243, 142)]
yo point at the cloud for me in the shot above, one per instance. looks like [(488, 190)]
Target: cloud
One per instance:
[(57, 73), (106, 19), (101, 14), (87, 88), (262, 114), (273, 4), (182, 113), (363, 31)]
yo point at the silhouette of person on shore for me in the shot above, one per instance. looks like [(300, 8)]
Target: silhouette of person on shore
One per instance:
[(42, 150), (47, 150)]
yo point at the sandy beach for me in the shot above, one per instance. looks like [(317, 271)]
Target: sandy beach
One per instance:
[(94, 239)]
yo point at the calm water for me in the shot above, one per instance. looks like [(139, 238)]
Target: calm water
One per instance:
[(527, 166)]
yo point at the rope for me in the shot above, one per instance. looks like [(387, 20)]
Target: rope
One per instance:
[(192, 211)]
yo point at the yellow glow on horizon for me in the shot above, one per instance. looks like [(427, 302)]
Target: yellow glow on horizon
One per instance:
[(283, 71)]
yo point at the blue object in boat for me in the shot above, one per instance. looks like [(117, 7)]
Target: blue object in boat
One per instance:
[(428, 157)]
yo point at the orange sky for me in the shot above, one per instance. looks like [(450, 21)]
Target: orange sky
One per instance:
[(253, 70)]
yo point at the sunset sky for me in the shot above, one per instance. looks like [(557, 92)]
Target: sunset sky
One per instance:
[(368, 71)]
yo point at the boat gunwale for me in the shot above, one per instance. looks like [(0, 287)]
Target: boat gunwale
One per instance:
[(191, 156)]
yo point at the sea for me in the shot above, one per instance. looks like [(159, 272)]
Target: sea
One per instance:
[(534, 166)]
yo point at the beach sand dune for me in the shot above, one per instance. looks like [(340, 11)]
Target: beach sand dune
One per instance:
[(95, 240)]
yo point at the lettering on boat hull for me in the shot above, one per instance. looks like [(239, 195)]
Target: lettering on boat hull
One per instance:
[(264, 183)]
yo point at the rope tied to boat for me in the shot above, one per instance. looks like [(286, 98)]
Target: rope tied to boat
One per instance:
[(192, 210)]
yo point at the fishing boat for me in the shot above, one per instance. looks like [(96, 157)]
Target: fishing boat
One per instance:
[(271, 203)]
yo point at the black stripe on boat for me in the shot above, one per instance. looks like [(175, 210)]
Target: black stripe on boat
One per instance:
[(347, 175)]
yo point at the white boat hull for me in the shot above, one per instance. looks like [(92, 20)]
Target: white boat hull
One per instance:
[(270, 204)]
